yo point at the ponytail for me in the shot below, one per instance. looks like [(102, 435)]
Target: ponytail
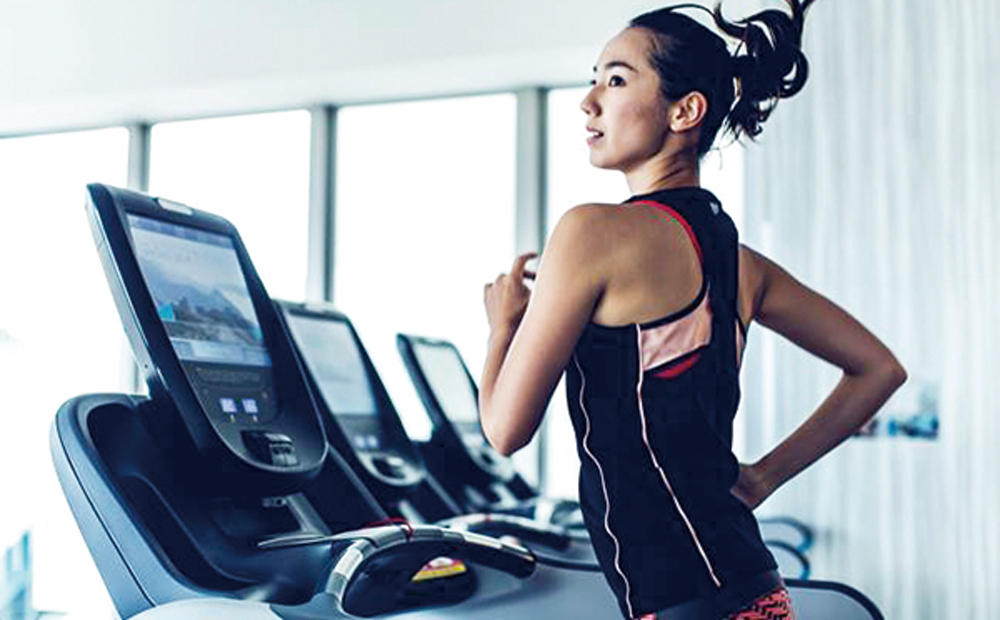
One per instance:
[(741, 89), (771, 67)]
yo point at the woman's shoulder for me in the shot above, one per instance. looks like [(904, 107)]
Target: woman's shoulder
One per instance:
[(590, 222), (588, 213), (586, 237)]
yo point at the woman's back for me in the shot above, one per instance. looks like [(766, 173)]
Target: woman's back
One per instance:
[(652, 396), (653, 267), (656, 269)]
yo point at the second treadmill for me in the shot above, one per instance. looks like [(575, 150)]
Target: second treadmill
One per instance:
[(458, 453), (364, 427)]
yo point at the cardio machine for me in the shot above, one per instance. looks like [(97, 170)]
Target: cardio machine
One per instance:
[(363, 425), (216, 496), (458, 453), (219, 491)]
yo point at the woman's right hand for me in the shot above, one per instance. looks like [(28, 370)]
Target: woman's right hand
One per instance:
[(506, 299)]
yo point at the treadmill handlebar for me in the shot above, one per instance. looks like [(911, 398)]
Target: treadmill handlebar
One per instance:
[(529, 530), (379, 561)]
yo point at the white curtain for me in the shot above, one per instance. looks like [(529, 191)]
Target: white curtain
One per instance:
[(878, 186)]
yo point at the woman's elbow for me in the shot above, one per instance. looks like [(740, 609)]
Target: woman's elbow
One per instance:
[(893, 372), (505, 447), (507, 426), (881, 367), (486, 423), (503, 441), (900, 374)]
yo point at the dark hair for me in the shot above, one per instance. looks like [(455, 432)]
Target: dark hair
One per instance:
[(742, 89)]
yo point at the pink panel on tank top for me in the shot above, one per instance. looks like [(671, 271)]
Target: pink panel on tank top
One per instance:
[(665, 343)]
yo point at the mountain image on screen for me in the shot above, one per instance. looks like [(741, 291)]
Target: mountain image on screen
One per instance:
[(194, 313)]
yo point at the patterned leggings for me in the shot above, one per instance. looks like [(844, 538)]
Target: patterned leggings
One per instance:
[(774, 606)]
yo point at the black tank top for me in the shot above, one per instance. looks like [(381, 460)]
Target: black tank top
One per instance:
[(652, 405)]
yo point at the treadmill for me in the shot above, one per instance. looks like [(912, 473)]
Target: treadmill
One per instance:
[(364, 427), (458, 453), (218, 494), (470, 469)]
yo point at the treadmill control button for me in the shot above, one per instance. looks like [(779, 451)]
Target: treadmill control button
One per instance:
[(272, 448), (390, 465)]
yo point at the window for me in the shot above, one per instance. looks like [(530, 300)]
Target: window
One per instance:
[(252, 170), (425, 217), (60, 336)]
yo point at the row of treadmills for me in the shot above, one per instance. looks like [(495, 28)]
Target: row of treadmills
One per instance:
[(267, 474)]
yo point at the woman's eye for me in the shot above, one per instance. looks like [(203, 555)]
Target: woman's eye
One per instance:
[(616, 80), (593, 82)]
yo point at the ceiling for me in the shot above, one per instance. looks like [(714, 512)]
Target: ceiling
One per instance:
[(66, 63), (72, 64)]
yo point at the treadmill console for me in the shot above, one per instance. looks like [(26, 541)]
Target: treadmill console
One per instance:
[(345, 380), (206, 336), (442, 377)]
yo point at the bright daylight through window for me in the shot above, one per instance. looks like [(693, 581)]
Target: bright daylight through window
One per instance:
[(59, 337), (425, 216), (252, 170)]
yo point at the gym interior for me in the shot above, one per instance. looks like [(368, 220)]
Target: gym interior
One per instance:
[(383, 160)]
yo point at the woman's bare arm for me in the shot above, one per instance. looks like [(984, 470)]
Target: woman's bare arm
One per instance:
[(871, 374), (531, 341)]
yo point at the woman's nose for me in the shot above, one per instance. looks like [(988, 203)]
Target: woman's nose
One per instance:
[(589, 104)]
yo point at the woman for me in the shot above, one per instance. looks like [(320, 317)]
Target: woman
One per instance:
[(645, 306)]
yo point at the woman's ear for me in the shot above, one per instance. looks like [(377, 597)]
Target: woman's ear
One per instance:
[(688, 112)]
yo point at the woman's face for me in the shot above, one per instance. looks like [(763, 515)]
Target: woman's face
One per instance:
[(627, 116)]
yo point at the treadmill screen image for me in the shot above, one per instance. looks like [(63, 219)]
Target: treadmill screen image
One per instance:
[(448, 380), (200, 293), (335, 361)]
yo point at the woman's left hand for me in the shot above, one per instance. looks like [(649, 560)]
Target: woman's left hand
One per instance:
[(507, 297), (751, 487)]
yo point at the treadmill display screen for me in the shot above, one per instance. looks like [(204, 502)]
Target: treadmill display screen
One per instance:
[(335, 361), (200, 293), (448, 380)]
